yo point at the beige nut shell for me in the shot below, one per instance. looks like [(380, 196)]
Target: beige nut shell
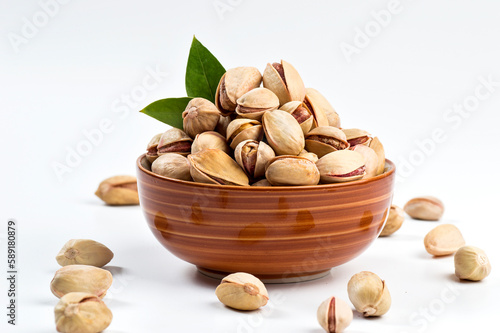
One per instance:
[(81, 278), (369, 294), (242, 291), (443, 240), (334, 315), (81, 313), (118, 191), (84, 252)]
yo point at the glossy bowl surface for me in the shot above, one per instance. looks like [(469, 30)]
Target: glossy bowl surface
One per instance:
[(280, 234)]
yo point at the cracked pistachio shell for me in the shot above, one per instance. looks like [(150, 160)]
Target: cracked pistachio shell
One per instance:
[(292, 170), (152, 148), (256, 102), (84, 252), (325, 139), (173, 166), (253, 156), (284, 80), (334, 315), (443, 240), (369, 294), (213, 166), (371, 159), (376, 145), (242, 291), (200, 116), (283, 132), (425, 208), (242, 129), (174, 141), (301, 113), (324, 114), (356, 136), (81, 313), (118, 191), (341, 166), (310, 156), (210, 140), (471, 263), (233, 84), (394, 221), (81, 278)]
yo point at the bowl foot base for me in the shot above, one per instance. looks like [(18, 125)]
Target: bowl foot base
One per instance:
[(275, 278)]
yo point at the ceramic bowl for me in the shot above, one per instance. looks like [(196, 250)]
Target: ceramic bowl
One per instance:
[(279, 234)]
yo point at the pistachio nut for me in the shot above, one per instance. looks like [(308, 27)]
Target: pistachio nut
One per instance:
[(200, 116), (301, 113), (341, 166), (394, 221), (213, 166), (443, 240), (79, 312), (233, 84), (376, 145), (371, 159), (118, 190), (173, 166), (81, 278), (425, 208), (356, 136), (242, 291), (253, 156), (262, 182), (283, 132), (222, 124), (325, 139), (175, 141), (210, 140), (243, 129), (310, 156), (152, 149), (369, 294), (334, 315), (84, 252), (471, 263), (292, 170), (324, 114), (256, 102), (284, 80)]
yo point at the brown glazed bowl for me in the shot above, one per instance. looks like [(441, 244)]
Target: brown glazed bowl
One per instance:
[(279, 234)]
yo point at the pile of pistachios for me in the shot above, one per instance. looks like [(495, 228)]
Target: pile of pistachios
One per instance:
[(278, 134)]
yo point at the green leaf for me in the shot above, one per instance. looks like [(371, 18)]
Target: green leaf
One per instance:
[(203, 72), (168, 110)]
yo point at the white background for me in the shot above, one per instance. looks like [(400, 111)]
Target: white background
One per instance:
[(76, 69)]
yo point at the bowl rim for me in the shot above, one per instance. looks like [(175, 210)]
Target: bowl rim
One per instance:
[(389, 170)]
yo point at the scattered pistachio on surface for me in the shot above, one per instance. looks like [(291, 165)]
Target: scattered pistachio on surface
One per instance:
[(471, 263), (79, 312), (443, 240), (242, 291), (334, 315), (425, 208), (118, 190), (394, 221), (81, 278), (84, 252), (369, 294)]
